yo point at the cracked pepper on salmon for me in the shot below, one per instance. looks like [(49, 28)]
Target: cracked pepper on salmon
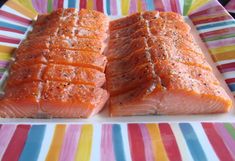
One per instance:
[(73, 62), (59, 69), (155, 67)]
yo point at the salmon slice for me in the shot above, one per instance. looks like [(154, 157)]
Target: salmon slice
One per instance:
[(25, 74), (76, 75), (21, 101), (72, 101), (81, 44), (60, 56)]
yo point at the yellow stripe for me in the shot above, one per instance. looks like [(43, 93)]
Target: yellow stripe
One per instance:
[(5, 56), (139, 6), (125, 6), (28, 4), (222, 49), (196, 4), (85, 143), (56, 144), (157, 145), (20, 8), (90, 4), (224, 56)]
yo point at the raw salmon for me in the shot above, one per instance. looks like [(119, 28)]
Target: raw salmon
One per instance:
[(163, 72), (58, 70)]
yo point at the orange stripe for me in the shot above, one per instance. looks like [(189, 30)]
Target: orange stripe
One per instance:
[(224, 56), (6, 49), (56, 144), (20, 8), (159, 151)]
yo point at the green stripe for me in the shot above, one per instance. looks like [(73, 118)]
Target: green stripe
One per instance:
[(49, 6), (187, 5), (219, 37), (230, 129), (2, 70)]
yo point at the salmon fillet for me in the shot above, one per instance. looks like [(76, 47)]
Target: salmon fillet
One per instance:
[(58, 70), (163, 72)]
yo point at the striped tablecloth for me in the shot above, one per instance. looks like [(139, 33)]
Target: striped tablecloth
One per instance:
[(118, 142)]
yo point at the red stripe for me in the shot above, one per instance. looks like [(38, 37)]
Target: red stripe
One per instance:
[(9, 40), (226, 67), (207, 20), (158, 5), (82, 4), (169, 142), (173, 6), (206, 11), (99, 5), (216, 142), (60, 3), (16, 144), (231, 80), (11, 30), (218, 32), (13, 17), (136, 143)]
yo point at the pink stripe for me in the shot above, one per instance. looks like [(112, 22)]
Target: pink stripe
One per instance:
[(3, 63), (70, 142), (206, 6), (159, 5), (40, 6), (167, 5), (223, 42), (147, 143), (133, 6), (55, 4), (143, 3), (9, 40), (207, 11), (6, 133), (217, 13), (11, 30), (226, 137), (113, 7), (15, 18), (94, 5), (107, 153)]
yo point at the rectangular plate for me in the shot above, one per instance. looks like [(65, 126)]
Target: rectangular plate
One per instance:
[(103, 116)]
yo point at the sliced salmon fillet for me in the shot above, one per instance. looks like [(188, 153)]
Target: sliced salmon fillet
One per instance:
[(74, 74), (64, 99), (21, 100), (58, 70), (180, 80)]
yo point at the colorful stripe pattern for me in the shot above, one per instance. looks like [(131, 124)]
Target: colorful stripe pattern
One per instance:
[(215, 25), (118, 142)]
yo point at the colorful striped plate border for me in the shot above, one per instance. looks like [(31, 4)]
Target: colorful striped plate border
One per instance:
[(118, 142)]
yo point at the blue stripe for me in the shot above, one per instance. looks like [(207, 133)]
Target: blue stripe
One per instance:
[(192, 142), (231, 87), (118, 143), (33, 143), (150, 5), (218, 24), (72, 4), (108, 7), (12, 26)]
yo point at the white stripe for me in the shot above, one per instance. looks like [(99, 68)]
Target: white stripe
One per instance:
[(10, 10), (126, 147), (205, 144), (225, 62), (104, 8), (184, 150), (119, 8), (9, 44), (12, 34), (181, 4), (48, 136), (65, 5), (215, 28), (228, 75), (13, 22), (96, 142)]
